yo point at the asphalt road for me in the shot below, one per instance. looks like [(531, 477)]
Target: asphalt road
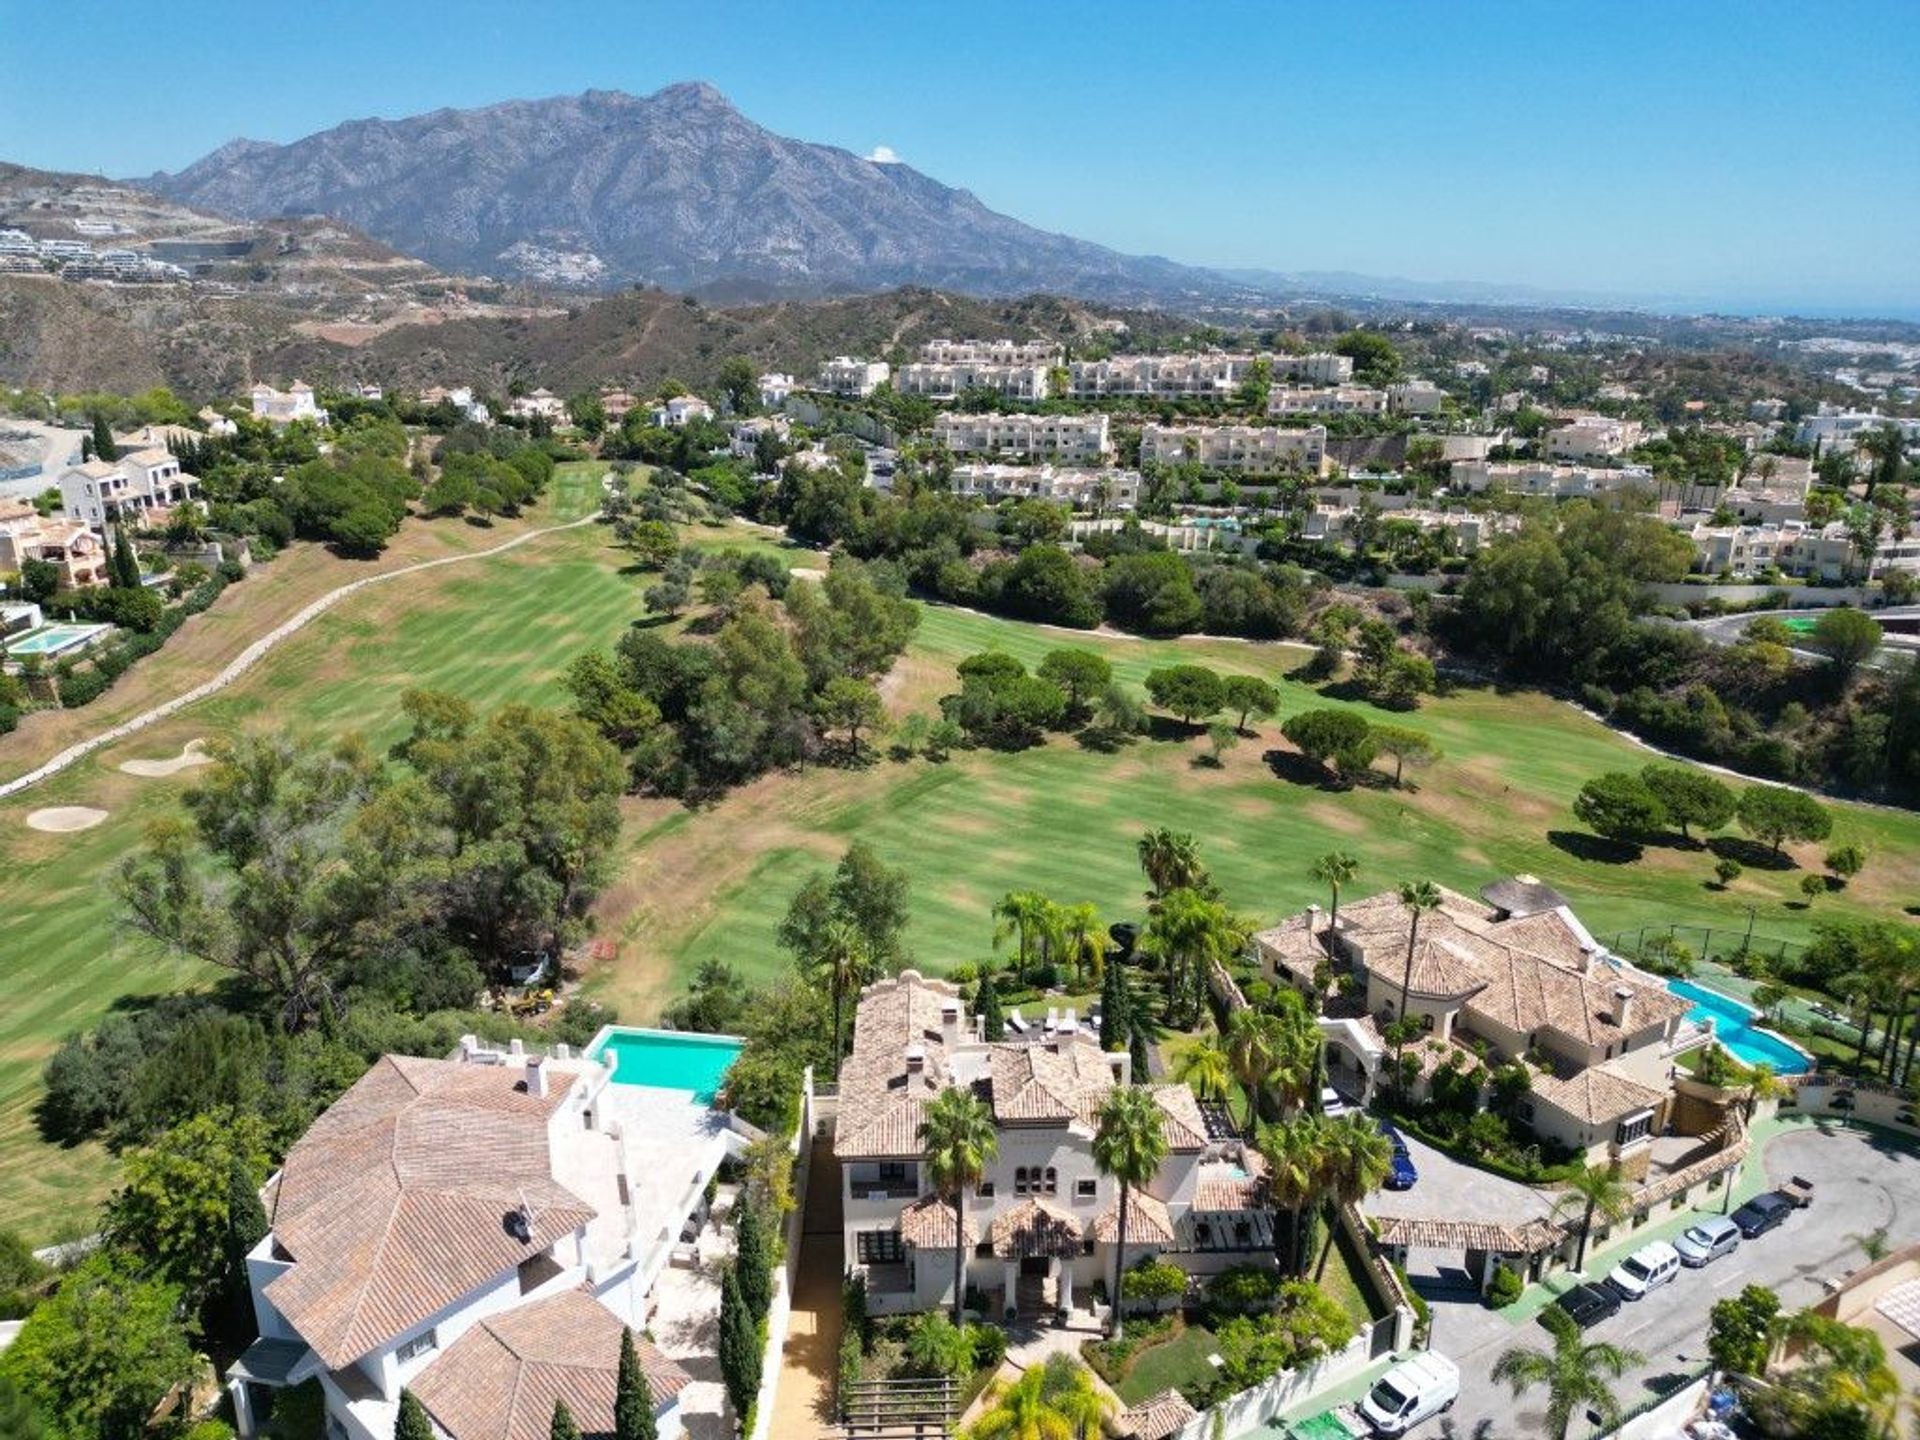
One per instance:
[(1862, 1186)]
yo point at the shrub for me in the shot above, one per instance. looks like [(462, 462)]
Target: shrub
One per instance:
[(1152, 1281), (1243, 1289), (1505, 1288)]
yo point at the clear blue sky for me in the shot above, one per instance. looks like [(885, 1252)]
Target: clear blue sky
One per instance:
[(1746, 151)]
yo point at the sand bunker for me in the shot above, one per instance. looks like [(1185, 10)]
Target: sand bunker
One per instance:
[(193, 754), (63, 819)]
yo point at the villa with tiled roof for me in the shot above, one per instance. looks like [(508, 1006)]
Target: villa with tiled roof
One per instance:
[(1044, 1221), (1514, 974)]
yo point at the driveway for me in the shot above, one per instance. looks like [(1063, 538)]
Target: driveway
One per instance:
[(1864, 1183), (1449, 1190)]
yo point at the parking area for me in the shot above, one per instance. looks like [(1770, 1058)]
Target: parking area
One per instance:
[(1865, 1182)]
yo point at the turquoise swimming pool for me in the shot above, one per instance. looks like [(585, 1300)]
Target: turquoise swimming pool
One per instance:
[(1733, 1024), (669, 1059), (55, 639)]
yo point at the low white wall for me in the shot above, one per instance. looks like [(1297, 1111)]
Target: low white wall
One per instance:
[(1247, 1411), (780, 1311), (1666, 1418)]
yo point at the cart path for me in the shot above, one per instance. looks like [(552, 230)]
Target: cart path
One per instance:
[(254, 653)]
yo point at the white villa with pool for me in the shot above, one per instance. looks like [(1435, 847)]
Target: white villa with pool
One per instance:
[(479, 1229)]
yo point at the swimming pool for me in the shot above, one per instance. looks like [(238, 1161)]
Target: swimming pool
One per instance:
[(1733, 1025), (668, 1059), (55, 639)]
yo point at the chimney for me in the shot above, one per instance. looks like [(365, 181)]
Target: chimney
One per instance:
[(536, 1076), (916, 1059), (469, 1048), (1622, 1006), (516, 1048), (950, 1024)]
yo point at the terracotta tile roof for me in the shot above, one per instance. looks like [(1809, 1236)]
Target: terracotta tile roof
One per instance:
[(1158, 1416), (1596, 1094), (1058, 1083), (880, 1099), (1034, 1228), (1424, 1234), (1292, 946), (1180, 1118), (1148, 1221), (1224, 1186), (394, 1204), (1444, 967), (928, 1224), (499, 1381)]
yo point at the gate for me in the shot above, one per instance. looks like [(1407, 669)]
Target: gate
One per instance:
[(899, 1409)]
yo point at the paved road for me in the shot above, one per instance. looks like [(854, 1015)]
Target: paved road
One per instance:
[(1730, 629), (1863, 1186)]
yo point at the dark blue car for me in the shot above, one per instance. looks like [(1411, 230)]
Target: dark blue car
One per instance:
[(1401, 1175)]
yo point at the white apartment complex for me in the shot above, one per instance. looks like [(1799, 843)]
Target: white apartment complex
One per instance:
[(1212, 376), (1320, 368), (846, 376), (1084, 489), (283, 407), (1832, 431), (139, 487), (1081, 439), (949, 379), (1248, 449), (1591, 437), (1555, 482), (1792, 547), (1416, 397), (990, 352), (1042, 1225), (1285, 400)]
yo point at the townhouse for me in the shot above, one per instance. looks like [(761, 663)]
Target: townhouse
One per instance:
[(1793, 547), (856, 379), (1285, 400), (991, 352), (1041, 1226), (140, 488), (1215, 375), (1336, 523), (1554, 482), (1084, 489), (1246, 449), (1079, 439), (949, 379), (1415, 397)]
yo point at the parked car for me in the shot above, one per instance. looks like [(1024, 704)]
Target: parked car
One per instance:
[(1402, 1174), (1589, 1304), (1647, 1269), (1412, 1391), (1707, 1241), (1761, 1214)]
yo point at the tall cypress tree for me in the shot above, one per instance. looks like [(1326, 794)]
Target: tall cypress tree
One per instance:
[(632, 1397), (412, 1422), (246, 1228), (123, 566), (103, 446), (739, 1349), (1137, 1048), (1116, 1020), (993, 1022), (563, 1427), (752, 1261)]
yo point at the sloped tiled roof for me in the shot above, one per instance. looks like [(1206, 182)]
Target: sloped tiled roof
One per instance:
[(1034, 1228), (1057, 1083), (928, 1224), (1596, 1094), (1158, 1416), (1148, 1221), (396, 1201), (1180, 1118), (880, 1098), (499, 1380)]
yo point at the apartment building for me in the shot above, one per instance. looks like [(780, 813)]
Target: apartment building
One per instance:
[(1083, 489), (1081, 439), (1285, 400), (1591, 437), (477, 1230), (138, 488), (1247, 449), (1773, 488), (949, 379), (1042, 1224), (1319, 368), (1335, 524), (1415, 397), (1554, 482), (1792, 547), (1833, 431), (991, 352), (1513, 974), (1216, 375), (283, 407), (857, 379), (67, 544)]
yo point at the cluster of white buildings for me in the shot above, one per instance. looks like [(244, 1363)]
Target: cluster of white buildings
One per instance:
[(1212, 375), (1083, 489), (1553, 482), (850, 378), (139, 489), (20, 253), (950, 379), (1070, 439), (1832, 431), (1242, 449)]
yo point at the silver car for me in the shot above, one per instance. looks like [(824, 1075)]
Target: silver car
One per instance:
[(1706, 1241)]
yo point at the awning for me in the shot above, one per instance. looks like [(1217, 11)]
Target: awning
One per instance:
[(278, 1363)]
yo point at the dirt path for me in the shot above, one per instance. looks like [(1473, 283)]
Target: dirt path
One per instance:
[(252, 655)]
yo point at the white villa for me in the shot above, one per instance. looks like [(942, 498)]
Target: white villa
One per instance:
[(1515, 970), (1084, 489), (476, 1230), (1591, 437), (540, 404), (681, 410), (1416, 397), (775, 386), (1082, 439), (1041, 1227), (843, 375), (283, 407), (140, 487), (1250, 449)]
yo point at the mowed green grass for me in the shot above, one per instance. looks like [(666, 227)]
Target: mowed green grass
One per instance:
[(1064, 821)]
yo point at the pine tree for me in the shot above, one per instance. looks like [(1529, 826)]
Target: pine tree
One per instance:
[(987, 1001), (412, 1423), (103, 446), (563, 1427), (752, 1262), (739, 1349), (632, 1397)]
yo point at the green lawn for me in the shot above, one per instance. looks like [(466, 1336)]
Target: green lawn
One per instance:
[(1179, 1362)]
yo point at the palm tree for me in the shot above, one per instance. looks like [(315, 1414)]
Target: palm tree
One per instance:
[(1334, 869), (1762, 1085), (1358, 1161), (957, 1130), (1419, 896), (1296, 1156), (1885, 448), (1188, 934), (1081, 942), (1129, 1145), (1574, 1372), (1596, 1190), (1023, 913), (1171, 861), (1296, 1072), (1254, 1044), (1207, 1067), (842, 960), (1069, 1388), (1055, 1401)]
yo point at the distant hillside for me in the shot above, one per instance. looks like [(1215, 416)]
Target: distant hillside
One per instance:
[(676, 189)]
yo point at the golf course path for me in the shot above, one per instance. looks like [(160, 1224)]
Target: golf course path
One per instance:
[(252, 655)]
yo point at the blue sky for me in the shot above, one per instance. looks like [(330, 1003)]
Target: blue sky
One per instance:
[(1750, 153)]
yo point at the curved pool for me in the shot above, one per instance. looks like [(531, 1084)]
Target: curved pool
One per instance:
[(1733, 1026)]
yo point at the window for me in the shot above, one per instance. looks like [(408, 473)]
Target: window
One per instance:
[(892, 1172), (1083, 1189), (1634, 1127), (984, 1190), (1052, 1183), (1020, 1180), (877, 1247), (419, 1345)]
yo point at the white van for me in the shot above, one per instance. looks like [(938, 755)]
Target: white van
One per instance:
[(1414, 1390), (1648, 1268)]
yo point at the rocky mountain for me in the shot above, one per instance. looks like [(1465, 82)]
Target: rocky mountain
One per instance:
[(677, 189)]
